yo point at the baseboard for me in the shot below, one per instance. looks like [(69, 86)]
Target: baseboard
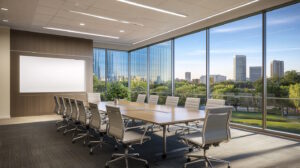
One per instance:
[(5, 117)]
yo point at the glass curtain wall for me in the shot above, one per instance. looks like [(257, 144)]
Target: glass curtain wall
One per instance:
[(138, 73), (160, 70), (190, 67), (99, 70), (236, 68), (283, 69), (117, 67)]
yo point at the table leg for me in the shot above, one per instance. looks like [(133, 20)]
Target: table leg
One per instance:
[(164, 154)]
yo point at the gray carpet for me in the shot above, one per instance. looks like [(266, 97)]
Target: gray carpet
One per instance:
[(38, 145)]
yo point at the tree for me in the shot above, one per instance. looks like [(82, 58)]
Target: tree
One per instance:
[(116, 90), (294, 92)]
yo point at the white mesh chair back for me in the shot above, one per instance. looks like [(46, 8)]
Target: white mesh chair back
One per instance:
[(141, 98), (62, 106), (216, 125), (74, 109), (172, 101), (93, 97), (116, 125), (192, 103), (68, 107), (153, 99), (215, 103), (57, 105), (95, 121), (82, 112)]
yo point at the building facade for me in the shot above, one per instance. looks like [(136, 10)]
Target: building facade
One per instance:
[(239, 68)]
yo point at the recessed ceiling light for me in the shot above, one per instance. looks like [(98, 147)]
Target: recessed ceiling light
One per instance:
[(4, 9), (197, 21), (5, 20), (152, 8), (106, 18), (122, 31), (82, 24), (80, 32)]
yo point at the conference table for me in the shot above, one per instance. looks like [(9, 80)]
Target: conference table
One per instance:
[(156, 114)]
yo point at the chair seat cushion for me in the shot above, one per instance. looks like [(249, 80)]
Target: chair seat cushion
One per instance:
[(194, 138), (131, 137)]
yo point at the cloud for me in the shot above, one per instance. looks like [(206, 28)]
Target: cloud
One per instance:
[(285, 20), (284, 49), (235, 29)]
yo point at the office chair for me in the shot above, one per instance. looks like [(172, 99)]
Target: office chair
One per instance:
[(215, 131), (93, 97), (73, 121), (215, 103), (99, 124), (61, 112), (83, 123), (172, 101), (191, 104), (153, 99), (57, 106), (127, 137), (141, 98)]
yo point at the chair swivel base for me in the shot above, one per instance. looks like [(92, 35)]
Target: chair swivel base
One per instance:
[(205, 159), (126, 156)]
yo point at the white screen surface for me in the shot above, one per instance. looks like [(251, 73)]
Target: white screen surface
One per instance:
[(42, 74)]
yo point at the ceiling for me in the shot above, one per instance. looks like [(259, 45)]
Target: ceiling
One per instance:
[(33, 15)]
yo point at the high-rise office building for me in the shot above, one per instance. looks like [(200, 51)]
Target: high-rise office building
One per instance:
[(188, 76), (277, 68), (239, 68), (255, 73)]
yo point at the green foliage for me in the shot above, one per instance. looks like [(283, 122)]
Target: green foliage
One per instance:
[(116, 90), (98, 86), (294, 92)]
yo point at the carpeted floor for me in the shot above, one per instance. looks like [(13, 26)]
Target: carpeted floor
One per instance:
[(38, 145)]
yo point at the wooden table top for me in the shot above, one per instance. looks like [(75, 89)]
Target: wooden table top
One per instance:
[(157, 114)]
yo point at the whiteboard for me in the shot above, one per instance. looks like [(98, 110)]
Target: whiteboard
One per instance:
[(43, 74)]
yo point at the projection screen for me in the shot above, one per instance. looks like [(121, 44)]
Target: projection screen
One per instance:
[(43, 74)]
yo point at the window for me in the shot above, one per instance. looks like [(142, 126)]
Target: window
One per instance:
[(99, 70), (190, 67), (236, 68), (283, 69), (138, 83), (160, 70), (117, 67)]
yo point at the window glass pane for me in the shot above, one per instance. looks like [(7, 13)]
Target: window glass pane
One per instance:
[(99, 70), (236, 68), (117, 67), (138, 72), (190, 67), (160, 70), (283, 69)]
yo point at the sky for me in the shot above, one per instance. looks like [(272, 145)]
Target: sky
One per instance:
[(243, 37)]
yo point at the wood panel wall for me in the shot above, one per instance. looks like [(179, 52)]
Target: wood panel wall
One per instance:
[(45, 45)]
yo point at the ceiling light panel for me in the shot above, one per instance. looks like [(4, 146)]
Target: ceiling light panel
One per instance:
[(106, 18), (197, 21), (152, 8), (80, 32)]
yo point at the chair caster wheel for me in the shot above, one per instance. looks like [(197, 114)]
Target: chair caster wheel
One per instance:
[(228, 166), (73, 142), (188, 159), (64, 133), (116, 148), (147, 165), (106, 166)]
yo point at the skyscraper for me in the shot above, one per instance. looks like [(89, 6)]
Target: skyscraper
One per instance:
[(255, 73), (188, 76), (277, 68), (239, 68)]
